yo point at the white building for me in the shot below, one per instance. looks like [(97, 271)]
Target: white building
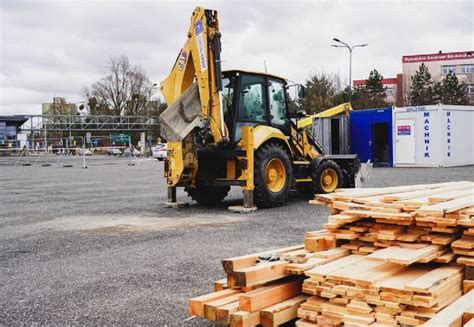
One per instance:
[(439, 65)]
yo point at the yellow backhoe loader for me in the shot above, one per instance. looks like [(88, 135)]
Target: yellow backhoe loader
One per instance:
[(234, 128)]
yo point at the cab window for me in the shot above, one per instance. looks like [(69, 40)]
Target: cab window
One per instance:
[(251, 99), (278, 114)]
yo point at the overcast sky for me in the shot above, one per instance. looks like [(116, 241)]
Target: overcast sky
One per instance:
[(54, 48)]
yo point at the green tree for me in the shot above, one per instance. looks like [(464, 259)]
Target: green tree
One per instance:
[(450, 91), (374, 84), (370, 95), (321, 91), (422, 87)]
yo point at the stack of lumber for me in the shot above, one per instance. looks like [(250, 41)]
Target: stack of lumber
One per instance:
[(419, 223), (359, 290), (256, 291), (387, 256)]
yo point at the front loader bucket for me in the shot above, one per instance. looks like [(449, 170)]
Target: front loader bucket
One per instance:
[(178, 120)]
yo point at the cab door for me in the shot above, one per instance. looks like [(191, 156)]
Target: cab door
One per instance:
[(251, 103), (277, 103)]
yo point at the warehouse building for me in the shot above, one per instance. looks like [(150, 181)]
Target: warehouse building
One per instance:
[(9, 130)]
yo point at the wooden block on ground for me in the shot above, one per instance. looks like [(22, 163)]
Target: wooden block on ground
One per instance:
[(269, 295), (196, 305), (282, 312)]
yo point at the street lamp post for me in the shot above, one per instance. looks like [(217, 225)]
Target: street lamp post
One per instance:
[(350, 48)]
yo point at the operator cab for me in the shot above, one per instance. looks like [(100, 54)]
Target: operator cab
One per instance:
[(251, 99)]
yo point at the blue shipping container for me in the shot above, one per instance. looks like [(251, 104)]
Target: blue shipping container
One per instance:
[(371, 135)]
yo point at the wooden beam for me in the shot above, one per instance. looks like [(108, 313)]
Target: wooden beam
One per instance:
[(245, 319), (219, 310), (196, 305), (261, 273), (269, 295), (282, 312), (236, 263)]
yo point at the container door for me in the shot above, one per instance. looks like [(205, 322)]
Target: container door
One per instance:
[(405, 141), (380, 144)]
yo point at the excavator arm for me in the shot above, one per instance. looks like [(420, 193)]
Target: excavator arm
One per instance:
[(194, 117), (199, 62), (345, 108)]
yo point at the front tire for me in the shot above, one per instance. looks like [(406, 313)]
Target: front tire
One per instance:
[(273, 176), (327, 177), (207, 195)]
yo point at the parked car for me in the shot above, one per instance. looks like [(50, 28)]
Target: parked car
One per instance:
[(128, 152), (160, 151), (114, 152)]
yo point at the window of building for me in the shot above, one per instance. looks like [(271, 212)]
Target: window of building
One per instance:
[(3, 130), (467, 69), (445, 70), (470, 89), (10, 132), (389, 92)]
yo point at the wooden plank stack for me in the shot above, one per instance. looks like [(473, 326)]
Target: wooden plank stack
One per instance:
[(387, 256), (358, 290), (436, 221)]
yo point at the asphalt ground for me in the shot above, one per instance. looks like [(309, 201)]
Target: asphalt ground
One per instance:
[(97, 246)]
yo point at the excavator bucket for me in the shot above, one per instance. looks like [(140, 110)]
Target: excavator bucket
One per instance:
[(177, 121)]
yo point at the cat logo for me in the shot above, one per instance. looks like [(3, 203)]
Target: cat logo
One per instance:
[(183, 57)]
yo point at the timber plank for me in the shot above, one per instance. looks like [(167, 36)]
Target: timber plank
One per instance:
[(431, 279), (452, 315), (235, 263), (282, 312), (245, 319), (196, 305), (323, 270), (261, 273), (442, 208), (269, 295)]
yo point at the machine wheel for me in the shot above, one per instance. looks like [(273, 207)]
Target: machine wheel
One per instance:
[(207, 195), (273, 175), (327, 177)]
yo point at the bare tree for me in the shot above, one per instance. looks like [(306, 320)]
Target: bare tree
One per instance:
[(125, 90)]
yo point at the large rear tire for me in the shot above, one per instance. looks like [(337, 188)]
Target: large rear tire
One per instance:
[(273, 176), (207, 195), (327, 177)]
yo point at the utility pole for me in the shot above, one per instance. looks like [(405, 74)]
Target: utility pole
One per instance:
[(350, 48), (45, 137)]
